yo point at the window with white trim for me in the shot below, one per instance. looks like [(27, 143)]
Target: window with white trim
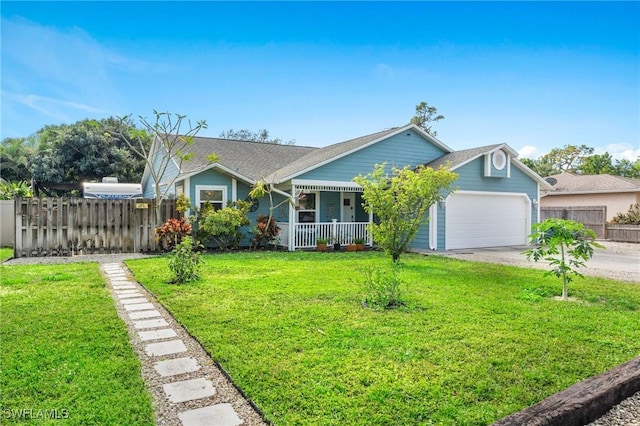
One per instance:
[(306, 207), (211, 194)]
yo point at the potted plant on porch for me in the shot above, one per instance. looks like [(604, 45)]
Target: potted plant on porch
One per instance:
[(359, 242), (321, 244)]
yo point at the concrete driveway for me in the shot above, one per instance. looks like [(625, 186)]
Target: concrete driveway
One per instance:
[(618, 260)]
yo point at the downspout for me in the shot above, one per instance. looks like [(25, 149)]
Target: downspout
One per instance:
[(290, 245)]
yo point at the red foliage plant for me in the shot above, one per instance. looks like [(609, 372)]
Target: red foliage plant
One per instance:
[(173, 231)]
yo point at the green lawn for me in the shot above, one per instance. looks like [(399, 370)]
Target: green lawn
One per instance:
[(5, 253), (474, 343), (64, 352)]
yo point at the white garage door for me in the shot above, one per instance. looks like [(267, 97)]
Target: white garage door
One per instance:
[(475, 220)]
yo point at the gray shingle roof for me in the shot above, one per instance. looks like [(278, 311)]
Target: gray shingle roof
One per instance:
[(253, 160), (571, 182)]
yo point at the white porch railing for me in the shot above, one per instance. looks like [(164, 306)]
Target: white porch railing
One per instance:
[(306, 234)]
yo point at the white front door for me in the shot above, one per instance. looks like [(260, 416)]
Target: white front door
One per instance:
[(348, 211)]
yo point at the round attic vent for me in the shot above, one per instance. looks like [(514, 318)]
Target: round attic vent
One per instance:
[(499, 160), (551, 181)]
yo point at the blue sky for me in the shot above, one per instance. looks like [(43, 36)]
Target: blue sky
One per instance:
[(536, 75)]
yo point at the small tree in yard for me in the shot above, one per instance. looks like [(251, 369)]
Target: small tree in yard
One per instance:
[(400, 202), (184, 262), (166, 130), (565, 244)]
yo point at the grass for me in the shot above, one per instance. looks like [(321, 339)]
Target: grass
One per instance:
[(65, 353), (6, 253), (475, 342)]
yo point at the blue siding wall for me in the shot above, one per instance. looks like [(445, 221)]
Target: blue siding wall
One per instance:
[(471, 178), (407, 148), (169, 174), (329, 206)]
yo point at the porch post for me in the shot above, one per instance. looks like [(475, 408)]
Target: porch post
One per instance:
[(292, 219), (369, 237)]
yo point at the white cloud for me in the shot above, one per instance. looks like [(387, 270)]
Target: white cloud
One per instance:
[(528, 151)]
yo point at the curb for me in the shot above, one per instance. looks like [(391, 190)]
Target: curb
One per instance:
[(583, 402)]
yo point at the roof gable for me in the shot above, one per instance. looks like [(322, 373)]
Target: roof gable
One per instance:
[(458, 159), (334, 152)]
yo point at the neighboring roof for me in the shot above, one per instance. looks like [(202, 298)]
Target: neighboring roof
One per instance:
[(332, 152), (252, 160), (572, 183), (458, 159)]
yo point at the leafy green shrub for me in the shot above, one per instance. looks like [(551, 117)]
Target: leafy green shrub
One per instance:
[(631, 217), (223, 225), (8, 190), (382, 287), (184, 262)]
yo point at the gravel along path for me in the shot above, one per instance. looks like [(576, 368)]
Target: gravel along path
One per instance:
[(627, 413)]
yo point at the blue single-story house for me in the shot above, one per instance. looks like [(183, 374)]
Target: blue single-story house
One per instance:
[(495, 204)]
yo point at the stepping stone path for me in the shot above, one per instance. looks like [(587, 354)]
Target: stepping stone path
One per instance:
[(187, 387)]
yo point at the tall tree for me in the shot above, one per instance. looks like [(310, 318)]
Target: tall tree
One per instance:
[(569, 158), (15, 156), (261, 135), (85, 150), (170, 146), (627, 168), (541, 166), (597, 164), (400, 201), (425, 115)]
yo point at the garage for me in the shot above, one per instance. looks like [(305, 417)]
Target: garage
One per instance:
[(482, 219)]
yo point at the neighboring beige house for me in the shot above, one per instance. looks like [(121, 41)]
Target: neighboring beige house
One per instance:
[(573, 190)]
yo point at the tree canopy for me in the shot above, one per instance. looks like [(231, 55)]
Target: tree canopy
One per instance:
[(581, 159), (71, 153), (261, 135), (424, 116)]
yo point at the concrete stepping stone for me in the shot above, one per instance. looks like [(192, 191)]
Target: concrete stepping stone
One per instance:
[(130, 291), (163, 333), (144, 314), (152, 323), (138, 307), (129, 295), (122, 282), (134, 301), (189, 390), (124, 287), (173, 367), (213, 415), (165, 348)]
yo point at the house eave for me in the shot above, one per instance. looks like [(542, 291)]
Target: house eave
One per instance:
[(219, 166), (591, 191)]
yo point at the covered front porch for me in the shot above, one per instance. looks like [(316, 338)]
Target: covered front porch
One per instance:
[(326, 210)]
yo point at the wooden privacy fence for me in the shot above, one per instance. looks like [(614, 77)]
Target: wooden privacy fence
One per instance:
[(593, 217), (73, 226)]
